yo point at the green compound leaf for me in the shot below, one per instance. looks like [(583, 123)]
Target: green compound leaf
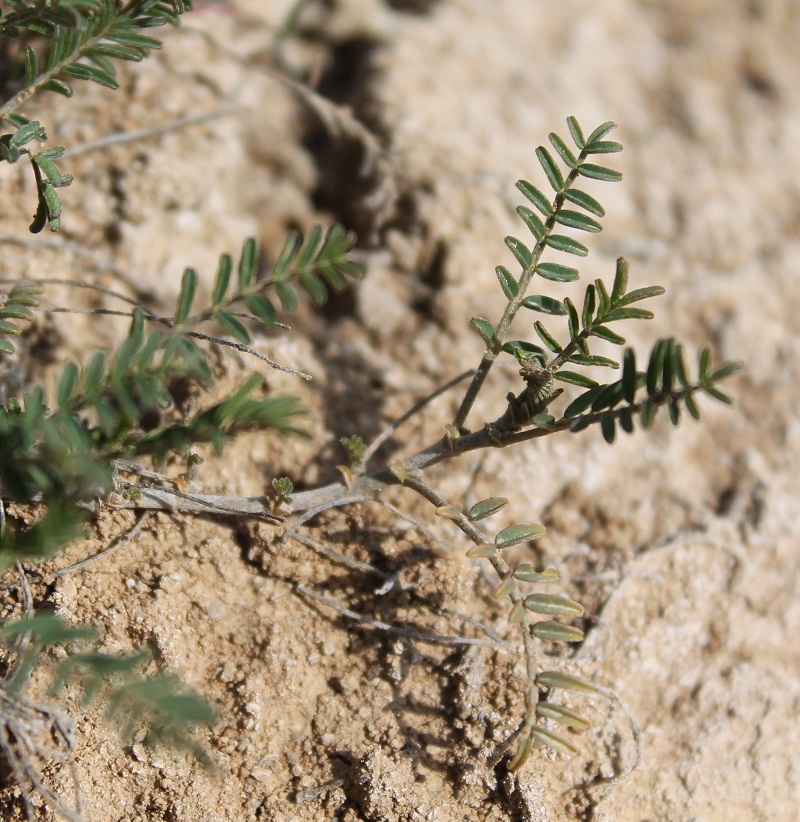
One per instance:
[(567, 244), (545, 305), (557, 272), (551, 169), (486, 508), (536, 197), (518, 533), (507, 282)]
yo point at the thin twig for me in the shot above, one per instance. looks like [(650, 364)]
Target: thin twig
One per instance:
[(415, 409), (154, 317), (335, 556), (357, 565), (118, 138), (406, 633), (117, 543), (310, 514)]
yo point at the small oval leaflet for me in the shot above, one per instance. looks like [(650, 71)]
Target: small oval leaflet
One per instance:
[(517, 613), (563, 715), (553, 604), (546, 305), (484, 328), (487, 549), (486, 507), (527, 573), (557, 632), (554, 741), (555, 679), (504, 588), (448, 511), (518, 533)]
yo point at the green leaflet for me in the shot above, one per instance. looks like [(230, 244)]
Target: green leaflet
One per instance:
[(545, 305), (520, 251), (486, 508), (557, 272), (485, 329), (560, 242), (518, 533), (551, 169), (507, 282), (536, 197)]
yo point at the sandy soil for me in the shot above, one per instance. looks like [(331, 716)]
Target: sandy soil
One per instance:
[(680, 542)]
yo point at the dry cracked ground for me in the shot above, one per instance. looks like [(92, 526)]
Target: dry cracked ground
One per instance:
[(680, 542)]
